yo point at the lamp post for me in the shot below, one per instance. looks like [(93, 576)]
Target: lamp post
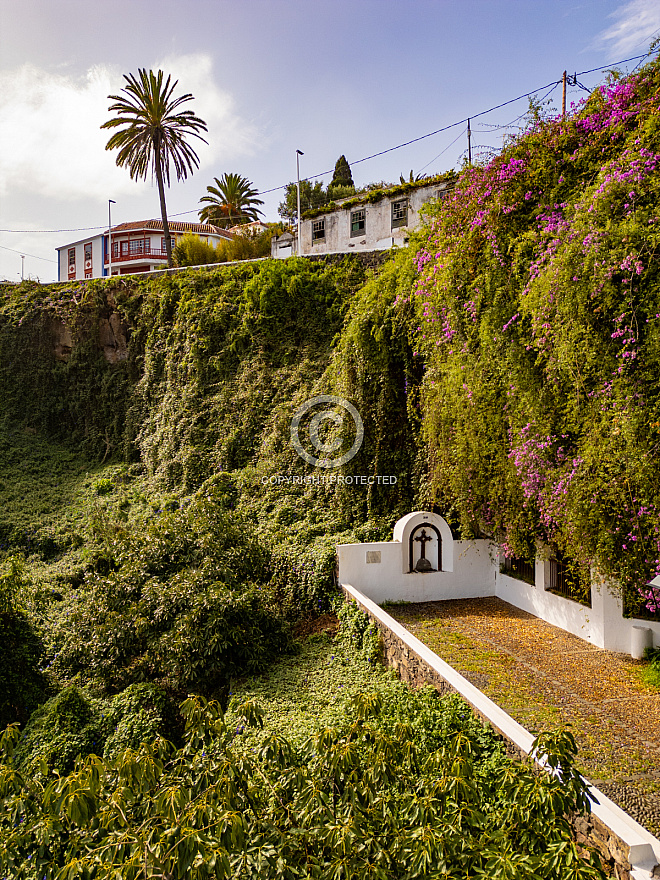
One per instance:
[(299, 153), (22, 266), (110, 202)]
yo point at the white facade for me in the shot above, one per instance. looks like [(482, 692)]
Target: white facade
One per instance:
[(82, 259), (360, 225), (368, 227), (136, 247), (386, 571)]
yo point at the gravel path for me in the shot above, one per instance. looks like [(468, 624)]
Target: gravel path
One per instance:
[(544, 676)]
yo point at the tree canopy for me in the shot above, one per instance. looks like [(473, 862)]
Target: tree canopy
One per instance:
[(312, 195), (231, 202)]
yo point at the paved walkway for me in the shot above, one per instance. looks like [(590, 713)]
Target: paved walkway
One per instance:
[(544, 676)]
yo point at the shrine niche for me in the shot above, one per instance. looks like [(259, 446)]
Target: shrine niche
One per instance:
[(427, 545), (423, 558)]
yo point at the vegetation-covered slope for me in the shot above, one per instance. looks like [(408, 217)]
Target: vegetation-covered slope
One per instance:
[(158, 537)]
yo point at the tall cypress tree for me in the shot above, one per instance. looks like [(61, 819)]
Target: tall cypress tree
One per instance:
[(342, 175)]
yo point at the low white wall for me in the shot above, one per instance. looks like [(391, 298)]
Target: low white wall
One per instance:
[(567, 615), (617, 629), (473, 576), (602, 625)]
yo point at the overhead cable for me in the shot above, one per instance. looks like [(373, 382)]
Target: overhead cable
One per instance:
[(552, 85)]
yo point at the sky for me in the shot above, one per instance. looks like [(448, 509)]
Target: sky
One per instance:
[(269, 77)]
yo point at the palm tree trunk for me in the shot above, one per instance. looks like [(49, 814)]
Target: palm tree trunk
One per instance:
[(161, 195)]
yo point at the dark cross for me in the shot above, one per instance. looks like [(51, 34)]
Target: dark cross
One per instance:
[(423, 538), (425, 565)]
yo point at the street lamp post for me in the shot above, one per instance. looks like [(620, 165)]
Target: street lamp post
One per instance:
[(299, 153), (110, 202), (22, 267)]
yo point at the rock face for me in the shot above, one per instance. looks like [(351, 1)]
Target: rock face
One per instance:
[(113, 338), (113, 334), (62, 339)]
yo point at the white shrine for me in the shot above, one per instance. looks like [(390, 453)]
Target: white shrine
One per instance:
[(423, 563)]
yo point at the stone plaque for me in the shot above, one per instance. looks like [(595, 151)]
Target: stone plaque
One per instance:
[(373, 556)]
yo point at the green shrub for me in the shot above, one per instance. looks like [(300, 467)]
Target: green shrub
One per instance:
[(22, 685), (74, 724), (358, 631), (66, 726), (370, 799), (182, 598), (138, 715), (190, 250)]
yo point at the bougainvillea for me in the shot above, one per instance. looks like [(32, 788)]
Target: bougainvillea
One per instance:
[(538, 303)]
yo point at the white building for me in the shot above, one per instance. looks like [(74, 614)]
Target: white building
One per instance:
[(136, 247), (375, 220)]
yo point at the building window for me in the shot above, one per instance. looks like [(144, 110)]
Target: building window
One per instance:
[(88, 259), (318, 230), (521, 569), (162, 243), (72, 256), (358, 224), (399, 213), (566, 580), (137, 246)]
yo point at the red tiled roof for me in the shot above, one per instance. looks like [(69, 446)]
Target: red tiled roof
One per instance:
[(175, 226)]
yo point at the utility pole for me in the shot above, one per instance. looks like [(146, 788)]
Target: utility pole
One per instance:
[(110, 202), (299, 153), (563, 95), (469, 134)]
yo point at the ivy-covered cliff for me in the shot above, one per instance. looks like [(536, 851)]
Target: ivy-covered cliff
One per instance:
[(504, 365), (538, 322)]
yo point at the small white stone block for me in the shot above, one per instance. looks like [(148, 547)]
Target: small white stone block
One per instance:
[(641, 638)]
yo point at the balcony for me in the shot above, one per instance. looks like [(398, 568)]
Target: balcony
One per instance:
[(136, 250)]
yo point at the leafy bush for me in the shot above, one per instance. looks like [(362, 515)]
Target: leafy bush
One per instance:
[(22, 685), (137, 715), (66, 726), (191, 250), (358, 631), (182, 599), (369, 799), (246, 246), (73, 724)]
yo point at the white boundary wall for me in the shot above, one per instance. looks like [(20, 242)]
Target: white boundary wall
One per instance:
[(471, 570)]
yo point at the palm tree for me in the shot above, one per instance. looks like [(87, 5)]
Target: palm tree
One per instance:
[(231, 202), (155, 135)]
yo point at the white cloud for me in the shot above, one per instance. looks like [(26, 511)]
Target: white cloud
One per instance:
[(51, 142), (229, 136), (635, 25)]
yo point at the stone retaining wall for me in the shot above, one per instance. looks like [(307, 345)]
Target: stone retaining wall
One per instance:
[(627, 848)]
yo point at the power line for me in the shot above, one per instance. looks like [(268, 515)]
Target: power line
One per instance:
[(459, 135), (79, 229), (23, 254), (422, 137)]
